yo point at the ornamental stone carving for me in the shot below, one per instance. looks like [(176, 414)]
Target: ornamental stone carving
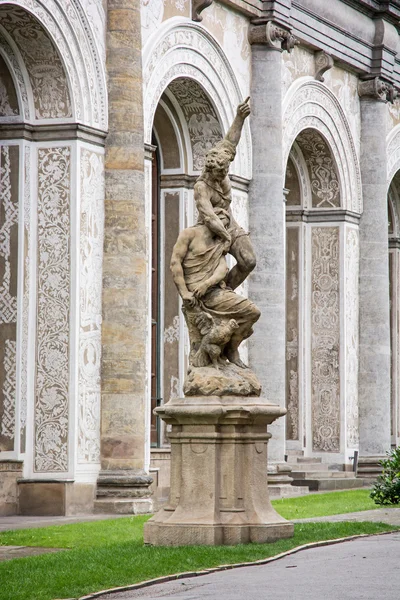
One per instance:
[(18, 75), (91, 255), (53, 314), (69, 30), (218, 318), (49, 84), (197, 8), (323, 62), (352, 320), (325, 340), (9, 192), (25, 301), (325, 187), (377, 89), (272, 36), (311, 105), (189, 51), (202, 120), (7, 428)]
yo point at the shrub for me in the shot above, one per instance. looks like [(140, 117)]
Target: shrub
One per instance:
[(387, 487)]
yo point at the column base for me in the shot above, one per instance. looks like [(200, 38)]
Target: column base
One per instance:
[(369, 467), (219, 489), (123, 492)]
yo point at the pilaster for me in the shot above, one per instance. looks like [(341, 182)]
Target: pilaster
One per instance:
[(267, 284), (374, 371)]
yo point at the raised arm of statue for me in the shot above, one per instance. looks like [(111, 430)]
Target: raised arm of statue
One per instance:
[(235, 130)]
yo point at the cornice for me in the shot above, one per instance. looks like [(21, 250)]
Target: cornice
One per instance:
[(50, 132)]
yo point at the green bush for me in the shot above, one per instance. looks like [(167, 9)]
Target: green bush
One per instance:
[(387, 487)]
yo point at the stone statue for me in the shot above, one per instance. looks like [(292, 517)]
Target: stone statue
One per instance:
[(218, 318), (218, 431)]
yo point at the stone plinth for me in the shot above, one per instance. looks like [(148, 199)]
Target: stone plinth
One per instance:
[(219, 490)]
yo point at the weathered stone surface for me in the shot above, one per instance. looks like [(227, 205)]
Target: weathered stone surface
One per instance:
[(219, 491), (229, 380), (123, 437)]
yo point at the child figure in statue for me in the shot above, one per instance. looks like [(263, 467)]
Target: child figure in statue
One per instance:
[(213, 190)]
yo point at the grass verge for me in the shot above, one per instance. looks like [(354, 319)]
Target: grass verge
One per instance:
[(322, 505), (106, 554)]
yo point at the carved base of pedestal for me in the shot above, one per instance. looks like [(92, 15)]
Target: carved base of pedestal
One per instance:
[(168, 534), (229, 380), (219, 490)]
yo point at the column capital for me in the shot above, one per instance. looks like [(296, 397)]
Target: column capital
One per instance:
[(377, 89), (272, 36)]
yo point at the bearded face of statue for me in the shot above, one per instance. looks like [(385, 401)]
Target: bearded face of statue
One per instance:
[(217, 163)]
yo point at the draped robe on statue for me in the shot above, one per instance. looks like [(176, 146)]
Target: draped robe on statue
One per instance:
[(220, 301)]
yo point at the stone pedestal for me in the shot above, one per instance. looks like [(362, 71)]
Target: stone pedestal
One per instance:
[(219, 490)]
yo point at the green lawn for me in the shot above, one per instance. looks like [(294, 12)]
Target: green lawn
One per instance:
[(106, 554), (321, 505)]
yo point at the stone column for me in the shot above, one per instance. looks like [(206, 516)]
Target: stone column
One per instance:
[(374, 371), (123, 482), (267, 283)]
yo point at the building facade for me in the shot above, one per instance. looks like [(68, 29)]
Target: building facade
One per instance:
[(107, 110)]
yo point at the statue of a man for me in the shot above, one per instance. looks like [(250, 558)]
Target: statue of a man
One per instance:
[(213, 190), (199, 268)]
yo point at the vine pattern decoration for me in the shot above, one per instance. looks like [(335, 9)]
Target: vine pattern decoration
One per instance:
[(325, 340), (53, 313)]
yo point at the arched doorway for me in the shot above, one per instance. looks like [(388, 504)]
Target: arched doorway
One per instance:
[(192, 95), (394, 290), (51, 242), (186, 126), (321, 305)]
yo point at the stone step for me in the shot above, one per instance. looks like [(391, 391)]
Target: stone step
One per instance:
[(287, 491), (309, 474), (316, 467), (292, 453), (331, 483), (123, 506), (309, 459)]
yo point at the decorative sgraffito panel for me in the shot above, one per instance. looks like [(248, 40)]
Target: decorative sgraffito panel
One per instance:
[(9, 168), (171, 302), (8, 95), (53, 313), (26, 293), (91, 254), (352, 268), (325, 340), (292, 333), (324, 181), (49, 84), (202, 120)]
